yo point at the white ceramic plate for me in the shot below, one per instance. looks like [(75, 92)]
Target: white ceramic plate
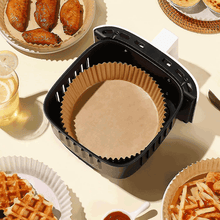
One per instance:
[(198, 12), (44, 180)]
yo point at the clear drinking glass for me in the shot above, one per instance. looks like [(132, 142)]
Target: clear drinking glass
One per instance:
[(9, 98)]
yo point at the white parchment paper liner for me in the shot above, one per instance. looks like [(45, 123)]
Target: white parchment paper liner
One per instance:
[(113, 135), (44, 180), (188, 173), (199, 12), (14, 37)]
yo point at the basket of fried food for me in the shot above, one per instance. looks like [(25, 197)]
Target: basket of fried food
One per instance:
[(196, 199)]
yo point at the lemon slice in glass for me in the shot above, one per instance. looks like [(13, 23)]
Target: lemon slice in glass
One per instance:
[(8, 62), (4, 92)]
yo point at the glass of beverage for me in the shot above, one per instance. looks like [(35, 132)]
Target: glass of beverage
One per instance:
[(9, 98)]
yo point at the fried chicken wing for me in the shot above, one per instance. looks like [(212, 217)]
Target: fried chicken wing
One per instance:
[(17, 12), (46, 13), (41, 36), (70, 16)]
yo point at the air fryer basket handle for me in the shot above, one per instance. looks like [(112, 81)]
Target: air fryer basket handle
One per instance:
[(171, 66)]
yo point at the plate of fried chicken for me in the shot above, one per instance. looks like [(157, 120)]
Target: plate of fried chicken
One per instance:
[(45, 26)]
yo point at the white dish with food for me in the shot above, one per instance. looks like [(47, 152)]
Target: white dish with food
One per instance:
[(44, 181), (194, 192), (14, 37)]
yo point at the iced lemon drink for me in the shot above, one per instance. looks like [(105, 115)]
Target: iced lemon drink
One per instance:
[(9, 98)]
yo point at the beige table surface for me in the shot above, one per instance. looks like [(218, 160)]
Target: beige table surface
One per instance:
[(92, 193)]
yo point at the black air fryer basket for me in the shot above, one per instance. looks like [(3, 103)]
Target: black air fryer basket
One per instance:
[(113, 44)]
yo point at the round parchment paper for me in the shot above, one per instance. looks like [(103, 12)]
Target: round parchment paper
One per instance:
[(113, 109)]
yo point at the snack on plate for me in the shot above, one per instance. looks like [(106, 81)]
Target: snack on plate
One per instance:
[(23, 17), (185, 3), (31, 208), (11, 186), (198, 199), (213, 5)]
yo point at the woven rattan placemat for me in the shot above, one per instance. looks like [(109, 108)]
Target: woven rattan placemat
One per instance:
[(204, 27)]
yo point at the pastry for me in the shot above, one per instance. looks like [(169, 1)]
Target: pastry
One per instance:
[(12, 186), (46, 13), (213, 5), (70, 16), (30, 207), (185, 3), (17, 13)]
